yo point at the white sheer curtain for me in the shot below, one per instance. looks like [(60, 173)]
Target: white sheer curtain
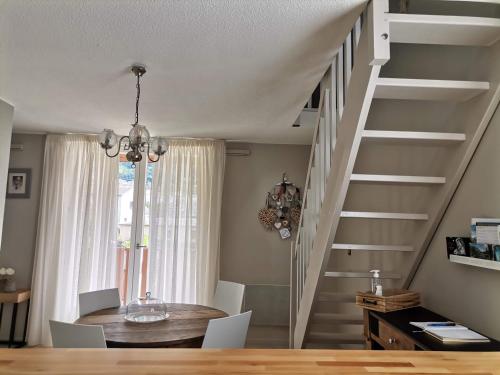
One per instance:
[(75, 249), (185, 221)]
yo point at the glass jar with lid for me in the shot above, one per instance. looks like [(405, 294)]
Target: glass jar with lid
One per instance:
[(146, 310)]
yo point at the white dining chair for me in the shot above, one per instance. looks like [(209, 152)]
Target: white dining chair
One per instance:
[(98, 300), (227, 333), (69, 335), (229, 297)]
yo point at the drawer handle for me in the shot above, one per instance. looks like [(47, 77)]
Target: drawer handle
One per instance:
[(391, 340), (369, 302)]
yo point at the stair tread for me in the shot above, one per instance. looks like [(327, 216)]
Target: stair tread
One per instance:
[(361, 177), (383, 215), (361, 274), (428, 89), (402, 135), (340, 317), (446, 30), (336, 337), (368, 247), (336, 297)]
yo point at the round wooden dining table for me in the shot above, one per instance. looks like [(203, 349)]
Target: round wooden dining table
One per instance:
[(184, 328)]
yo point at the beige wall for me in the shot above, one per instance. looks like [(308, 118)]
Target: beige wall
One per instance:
[(250, 254), (467, 294), (21, 218), (6, 115)]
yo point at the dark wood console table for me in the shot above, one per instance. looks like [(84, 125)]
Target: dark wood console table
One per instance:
[(393, 331)]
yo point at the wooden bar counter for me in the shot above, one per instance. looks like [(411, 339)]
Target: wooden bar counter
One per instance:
[(243, 361)]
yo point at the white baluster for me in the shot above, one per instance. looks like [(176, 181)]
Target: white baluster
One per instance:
[(347, 61), (317, 193), (299, 266), (297, 275), (328, 137), (340, 83), (357, 32), (333, 107), (321, 157)]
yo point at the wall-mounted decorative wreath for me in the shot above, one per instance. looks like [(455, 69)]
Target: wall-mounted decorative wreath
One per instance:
[(282, 209)]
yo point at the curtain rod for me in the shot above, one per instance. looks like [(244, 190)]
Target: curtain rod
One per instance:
[(55, 133), (96, 134), (229, 152)]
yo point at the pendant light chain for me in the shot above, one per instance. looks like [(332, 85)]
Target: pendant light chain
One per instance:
[(138, 86)]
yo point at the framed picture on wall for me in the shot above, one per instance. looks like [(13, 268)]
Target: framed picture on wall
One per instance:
[(19, 183)]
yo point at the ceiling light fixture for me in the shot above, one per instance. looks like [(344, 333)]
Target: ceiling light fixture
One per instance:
[(138, 140)]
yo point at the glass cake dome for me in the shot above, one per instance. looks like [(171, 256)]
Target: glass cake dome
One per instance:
[(146, 310)]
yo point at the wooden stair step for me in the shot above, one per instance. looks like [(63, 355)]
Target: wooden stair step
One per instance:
[(338, 318), (383, 215), (361, 275), (361, 247), (445, 30), (336, 338), (267, 337), (428, 89), (336, 297), (396, 179), (392, 135)]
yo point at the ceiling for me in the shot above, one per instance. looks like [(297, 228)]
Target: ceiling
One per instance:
[(237, 70)]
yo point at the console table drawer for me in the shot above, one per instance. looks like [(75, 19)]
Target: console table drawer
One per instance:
[(393, 339)]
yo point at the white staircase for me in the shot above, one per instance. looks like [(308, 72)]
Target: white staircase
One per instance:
[(391, 143)]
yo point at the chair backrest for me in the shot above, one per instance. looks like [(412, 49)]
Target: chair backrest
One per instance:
[(98, 300), (229, 297), (230, 332), (68, 335)]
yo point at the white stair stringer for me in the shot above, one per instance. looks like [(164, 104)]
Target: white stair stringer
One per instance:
[(372, 52)]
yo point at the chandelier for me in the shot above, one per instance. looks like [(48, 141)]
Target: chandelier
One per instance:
[(138, 140)]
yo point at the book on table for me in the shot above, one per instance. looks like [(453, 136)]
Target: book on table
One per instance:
[(449, 332)]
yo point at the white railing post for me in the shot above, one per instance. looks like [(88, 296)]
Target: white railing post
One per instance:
[(378, 26)]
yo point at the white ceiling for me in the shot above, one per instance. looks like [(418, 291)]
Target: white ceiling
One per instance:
[(238, 70)]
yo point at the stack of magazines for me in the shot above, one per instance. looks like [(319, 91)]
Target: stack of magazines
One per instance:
[(450, 332)]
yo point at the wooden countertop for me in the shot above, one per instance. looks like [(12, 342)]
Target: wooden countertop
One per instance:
[(243, 361)]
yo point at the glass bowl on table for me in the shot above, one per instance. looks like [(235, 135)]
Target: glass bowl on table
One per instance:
[(146, 310)]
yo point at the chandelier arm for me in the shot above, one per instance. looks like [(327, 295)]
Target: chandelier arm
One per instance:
[(119, 147), (149, 157)]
